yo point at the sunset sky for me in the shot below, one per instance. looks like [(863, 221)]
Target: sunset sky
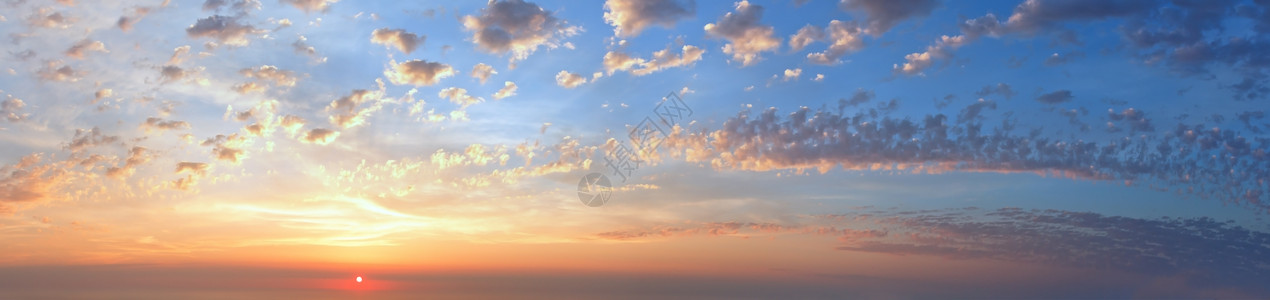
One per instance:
[(822, 149)]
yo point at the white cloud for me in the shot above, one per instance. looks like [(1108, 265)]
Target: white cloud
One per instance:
[(418, 72), (311, 5), (662, 59), (320, 136), (508, 90), (459, 96), (77, 51), (805, 36), (399, 38), (792, 74), (746, 37), (916, 63), (844, 37), (483, 72), (569, 80)]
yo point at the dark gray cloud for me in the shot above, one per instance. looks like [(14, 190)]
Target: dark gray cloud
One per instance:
[(884, 14), (1059, 59), (1032, 16), (1185, 36), (630, 17), (517, 27), (999, 89), (859, 97), (12, 110), (158, 124), (87, 138), (1135, 119), (1204, 252), (224, 29), (1202, 160), (1055, 97)]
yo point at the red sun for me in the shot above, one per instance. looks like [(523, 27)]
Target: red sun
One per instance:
[(359, 279)]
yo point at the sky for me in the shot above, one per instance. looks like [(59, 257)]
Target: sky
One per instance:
[(635, 149)]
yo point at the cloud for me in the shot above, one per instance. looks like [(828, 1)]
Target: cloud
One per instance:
[(31, 180), (271, 74), (1055, 97), (917, 63), (483, 72), (459, 96), (239, 7), (1056, 59), (508, 90), (844, 37), (178, 55), (11, 110), (49, 19), (666, 58), (746, 37), (311, 5), (630, 17), (1206, 251), (88, 138), (569, 80), (1030, 18), (999, 89), (1033, 15), (399, 38), (1136, 119), (320, 136), (301, 46), (77, 51), (971, 113), (884, 14), (248, 87), (172, 73), (805, 36), (224, 29), (136, 157), (617, 61), (516, 27), (1202, 250), (227, 147), (661, 60), (192, 167), (56, 71), (292, 124), (1190, 159), (418, 72), (349, 111), (157, 124), (126, 22), (792, 74), (859, 97), (193, 171)]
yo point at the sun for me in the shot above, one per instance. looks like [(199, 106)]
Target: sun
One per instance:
[(359, 279)]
